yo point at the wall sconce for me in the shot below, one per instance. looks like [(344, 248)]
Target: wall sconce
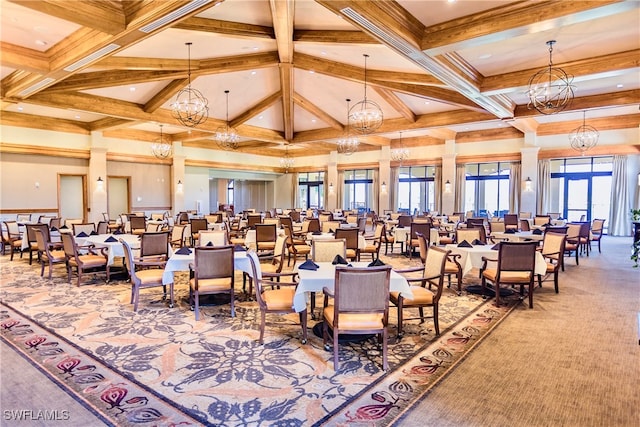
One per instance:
[(528, 186), (100, 183), (179, 187), (331, 188), (447, 187), (383, 188)]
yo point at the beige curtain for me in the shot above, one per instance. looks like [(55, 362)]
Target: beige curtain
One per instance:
[(459, 188), (619, 218), (515, 187), (374, 191), (437, 182), (544, 186), (339, 189), (295, 196)]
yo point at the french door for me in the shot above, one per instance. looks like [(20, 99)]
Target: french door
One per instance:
[(577, 198)]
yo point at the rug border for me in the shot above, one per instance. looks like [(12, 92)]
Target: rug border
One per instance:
[(373, 384), (169, 402), (423, 395)]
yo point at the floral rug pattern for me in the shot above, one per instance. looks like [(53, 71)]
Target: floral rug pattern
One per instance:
[(214, 369)]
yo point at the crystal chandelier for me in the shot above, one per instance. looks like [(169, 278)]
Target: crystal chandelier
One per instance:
[(161, 148), (366, 115), (286, 162), (584, 137), (190, 107), (348, 144), (226, 135), (400, 154), (550, 89)]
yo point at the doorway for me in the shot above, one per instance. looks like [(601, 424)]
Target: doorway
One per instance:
[(577, 199), (117, 196), (72, 197)]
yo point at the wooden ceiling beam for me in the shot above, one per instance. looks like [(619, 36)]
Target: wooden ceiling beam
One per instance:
[(286, 84), (144, 64), (256, 109), (446, 96), (282, 13), (397, 104), (44, 123), (165, 94), (341, 37), (317, 111), (605, 100), (110, 123), (105, 16), (511, 20), (235, 29), (19, 57)]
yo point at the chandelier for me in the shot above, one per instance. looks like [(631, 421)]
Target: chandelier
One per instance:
[(550, 89), (366, 115), (226, 135), (286, 162), (190, 107), (400, 154), (584, 137), (161, 148), (348, 144)]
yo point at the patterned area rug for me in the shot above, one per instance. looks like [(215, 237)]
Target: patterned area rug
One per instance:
[(215, 372)]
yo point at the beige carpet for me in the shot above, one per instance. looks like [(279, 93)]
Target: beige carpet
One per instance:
[(574, 360)]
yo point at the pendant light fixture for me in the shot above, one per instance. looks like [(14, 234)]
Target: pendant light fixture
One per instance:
[(366, 115), (400, 154), (190, 107), (161, 148), (585, 137), (550, 89), (348, 144), (226, 135)]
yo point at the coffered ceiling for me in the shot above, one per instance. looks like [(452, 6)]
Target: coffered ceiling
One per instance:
[(438, 69)]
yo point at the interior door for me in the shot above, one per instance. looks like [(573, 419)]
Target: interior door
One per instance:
[(117, 196), (314, 196), (72, 196), (577, 199)]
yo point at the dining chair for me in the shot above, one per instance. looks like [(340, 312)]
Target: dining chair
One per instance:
[(253, 219), (55, 222), (452, 266), (427, 293), (85, 227), (326, 250), (157, 217), (541, 219), (374, 244), (470, 235), (360, 306), (32, 241), (330, 226), (49, 253), (596, 232), (89, 262), (102, 227), (23, 218), (350, 235), (553, 252), (572, 244), (404, 220), (178, 233), (213, 273), (215, 237), (525, 225), (154, 245), (112, 224), (146, 277), (197, 225), (266, 235), (137, 224), (515, 266), (423, 228), (296, 248), (278, 300), (497, 227)]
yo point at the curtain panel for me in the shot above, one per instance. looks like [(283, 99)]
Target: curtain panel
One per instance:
[(515, 177), (619, 217), (543, 202)]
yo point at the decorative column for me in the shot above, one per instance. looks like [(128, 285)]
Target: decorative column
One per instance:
[(384, 177), (178, 178), (97, 178)]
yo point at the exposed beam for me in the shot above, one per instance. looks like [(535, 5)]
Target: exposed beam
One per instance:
[(256, 109), (613, 99), (105, 16), (31, 60), (397, 104), (317, 111), (235, 29), (148, 64), (44, 123), (282, 12), (109, 123), (446, 96), (342, 37), (165, 94), (286, 83)]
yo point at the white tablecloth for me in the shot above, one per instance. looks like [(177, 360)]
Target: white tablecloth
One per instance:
[(181, 263), (115, 249), (314, 281), (520, 236), (472, 257)]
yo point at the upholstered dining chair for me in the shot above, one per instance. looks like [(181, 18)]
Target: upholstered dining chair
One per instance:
[(154, 245), (452, 266), (112, 224), (102, 227), (277, 300), (12, 238), (295, 247), (515, 266), (85, 227), (55, 222), (596, 232), (326, 250), (178, 234), (541, 219), (553, 252), (470, 235), (511, 222), (213, 273), (350, 235), (197, 225), (423, 228), (215, 237), (89, 262), (330, 226), (137, 224), (374, 244), (360, 306), (425, 294), (266, 235), (33, 243), (49, 253), (150, 276)]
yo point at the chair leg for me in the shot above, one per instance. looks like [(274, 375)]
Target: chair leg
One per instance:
[(233, 308), (555, 280), (436, 323), (263, 319), (136, 297), (303, 325), (196, 301), (531, 294), (335, 351), (385, 362), (400, 317)]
